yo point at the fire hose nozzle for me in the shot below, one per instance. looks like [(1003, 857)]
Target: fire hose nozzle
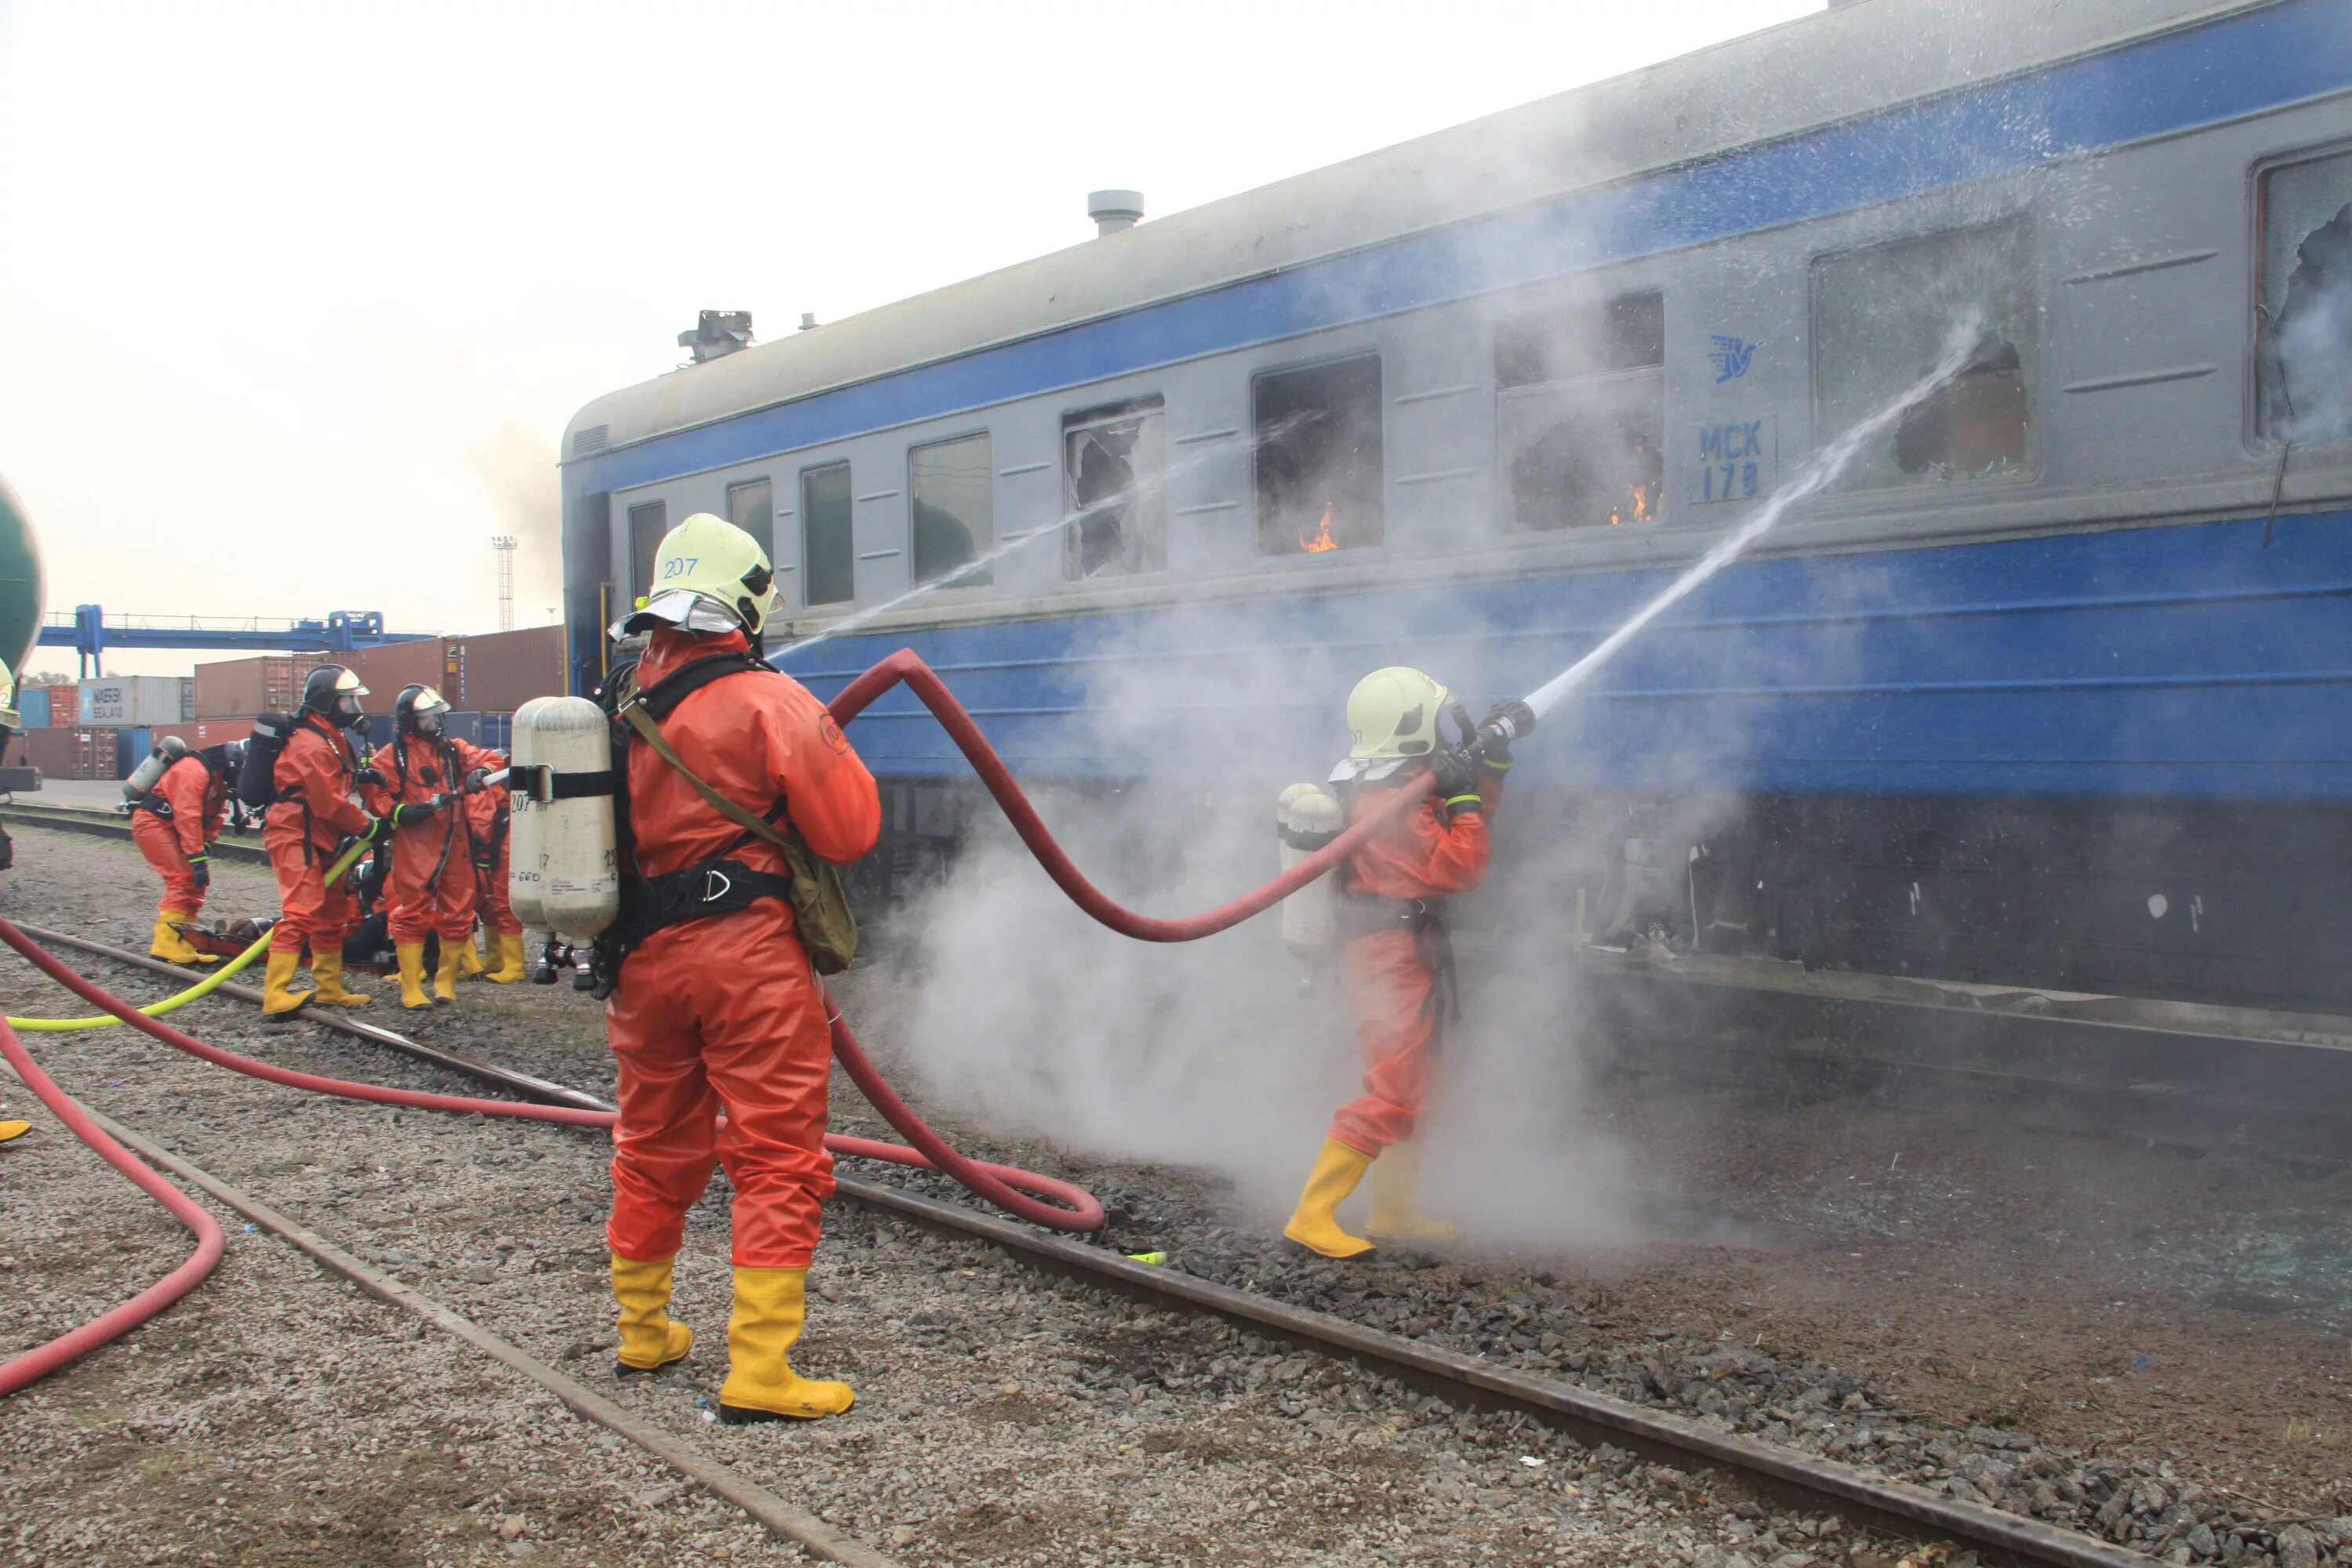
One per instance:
[(1508, 723)]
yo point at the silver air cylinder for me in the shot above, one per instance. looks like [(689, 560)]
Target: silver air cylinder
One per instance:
[(1307, 817), (563, 868)]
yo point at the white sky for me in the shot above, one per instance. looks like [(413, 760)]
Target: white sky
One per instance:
[(295, 302)]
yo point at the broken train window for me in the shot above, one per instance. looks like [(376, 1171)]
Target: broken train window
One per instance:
[(1114, 466), (1318, 459), (2306, 303), (1581, 408), (1880, 320)]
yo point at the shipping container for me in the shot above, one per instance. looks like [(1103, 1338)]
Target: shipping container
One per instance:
[(198, 734), (33, 707), (501, 671), (130, 748), (65, 709), (129, 702), (71, 753), (265, 683), (384, 670)]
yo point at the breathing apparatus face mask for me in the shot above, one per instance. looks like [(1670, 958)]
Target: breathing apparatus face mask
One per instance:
[(346, 711)]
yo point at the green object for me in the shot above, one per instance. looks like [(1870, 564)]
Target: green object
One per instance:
[(20, 583), (1154, 1258)]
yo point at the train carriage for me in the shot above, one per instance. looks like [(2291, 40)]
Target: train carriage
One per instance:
[(2048, 689)]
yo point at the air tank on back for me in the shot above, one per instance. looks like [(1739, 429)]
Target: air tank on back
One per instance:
[(20, 589), (563, 872)]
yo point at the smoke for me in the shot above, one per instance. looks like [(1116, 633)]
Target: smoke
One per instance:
[(515, 466)]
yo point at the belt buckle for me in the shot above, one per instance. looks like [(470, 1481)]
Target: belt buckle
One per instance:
[(724, 885)]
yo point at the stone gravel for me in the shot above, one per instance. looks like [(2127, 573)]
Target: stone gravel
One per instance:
[(277, 1416)]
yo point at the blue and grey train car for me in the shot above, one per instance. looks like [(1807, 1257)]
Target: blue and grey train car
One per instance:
[(2049, 688)]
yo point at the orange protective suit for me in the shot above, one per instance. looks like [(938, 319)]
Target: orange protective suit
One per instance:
[(318, 807), (724, 1011), (432, 858), (1387, 976), (198, 799), (489, 816)]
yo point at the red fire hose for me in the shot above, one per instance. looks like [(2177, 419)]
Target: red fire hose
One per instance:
[(1062, 1206), (42, 1359)]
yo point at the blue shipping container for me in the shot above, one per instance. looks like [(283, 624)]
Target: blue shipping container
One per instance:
[(130, 749), (33, 707)]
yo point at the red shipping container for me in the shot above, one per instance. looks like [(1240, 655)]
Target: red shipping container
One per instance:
[(65, 707), (501, 671), (384, 670), (198, 734), (71, 753), (265, 683)]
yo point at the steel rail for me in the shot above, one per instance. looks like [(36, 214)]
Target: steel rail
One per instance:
[(1466, 1381), (112, 825), (543, 1091)]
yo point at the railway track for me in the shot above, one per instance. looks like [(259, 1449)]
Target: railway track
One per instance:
[(117, 825), (1468, 1382)]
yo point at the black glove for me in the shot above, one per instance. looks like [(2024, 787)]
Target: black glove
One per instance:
[(200, 871), (1454, 772), (374, 830), (474, 779), (1505, 722), (410, 813), (368, 776)]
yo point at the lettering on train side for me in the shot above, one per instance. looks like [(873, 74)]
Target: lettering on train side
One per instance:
[(1738, 459)]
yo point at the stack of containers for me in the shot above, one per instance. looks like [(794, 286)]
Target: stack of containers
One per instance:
[(131, 706)]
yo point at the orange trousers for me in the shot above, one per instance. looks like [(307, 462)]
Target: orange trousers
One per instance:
[(490, 892), (721, 1015), (311, 913), (422, 903), (160, 841), (1393, 1000)]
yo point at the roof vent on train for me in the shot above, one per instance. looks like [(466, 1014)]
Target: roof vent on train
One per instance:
[(1114, 210), (717, 333)]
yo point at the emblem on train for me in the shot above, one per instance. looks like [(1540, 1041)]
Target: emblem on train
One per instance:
[(1729, 356)]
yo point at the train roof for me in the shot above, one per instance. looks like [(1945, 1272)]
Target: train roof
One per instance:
[(1849, 61)]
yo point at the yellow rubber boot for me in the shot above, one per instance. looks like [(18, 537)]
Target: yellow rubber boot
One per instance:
[(1314, 1225), (650, 1338), (445, 973), (412, 975), (470, 958), (278, 996), (10, 1131), (170, 945), (1396, 1200), (327, 982), (771, 1305), (511, 960)]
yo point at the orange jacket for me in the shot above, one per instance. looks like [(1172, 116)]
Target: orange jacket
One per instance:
[(1421, 855), (753, 739), (315, 770), (198, 799)]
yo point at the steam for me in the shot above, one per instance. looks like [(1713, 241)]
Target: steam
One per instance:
[(515, 466)]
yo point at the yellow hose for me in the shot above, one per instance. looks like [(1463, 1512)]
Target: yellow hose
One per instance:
[(202, 988)]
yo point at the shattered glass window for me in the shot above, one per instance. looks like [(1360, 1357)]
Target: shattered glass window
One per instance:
[(828, 553), (1318, 458), (1882, 319), (2306, 300), (647, 522), (1581, 413), (1114, 467), (751, 507), (953, 488)]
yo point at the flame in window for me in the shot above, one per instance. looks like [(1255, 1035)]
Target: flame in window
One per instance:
[(1640, 505), (1322, 539)]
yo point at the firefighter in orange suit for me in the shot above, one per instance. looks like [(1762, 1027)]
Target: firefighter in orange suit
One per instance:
[(1396, 969), (715, 1008), (426, 774), (176, 823), (488, 816), (318, 777)]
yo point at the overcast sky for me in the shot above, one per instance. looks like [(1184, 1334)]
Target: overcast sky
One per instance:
[(295, 302)]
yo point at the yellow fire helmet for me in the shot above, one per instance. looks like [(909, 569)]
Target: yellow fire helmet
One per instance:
[(1393, 712), (709, 576)]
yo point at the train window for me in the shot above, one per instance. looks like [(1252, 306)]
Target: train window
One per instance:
[(1319, 478), (647, 522), (828, 552), (1881, 320), (1581, 410), (1113, 464), (952, 486), (751, 507), (2306, 300)]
